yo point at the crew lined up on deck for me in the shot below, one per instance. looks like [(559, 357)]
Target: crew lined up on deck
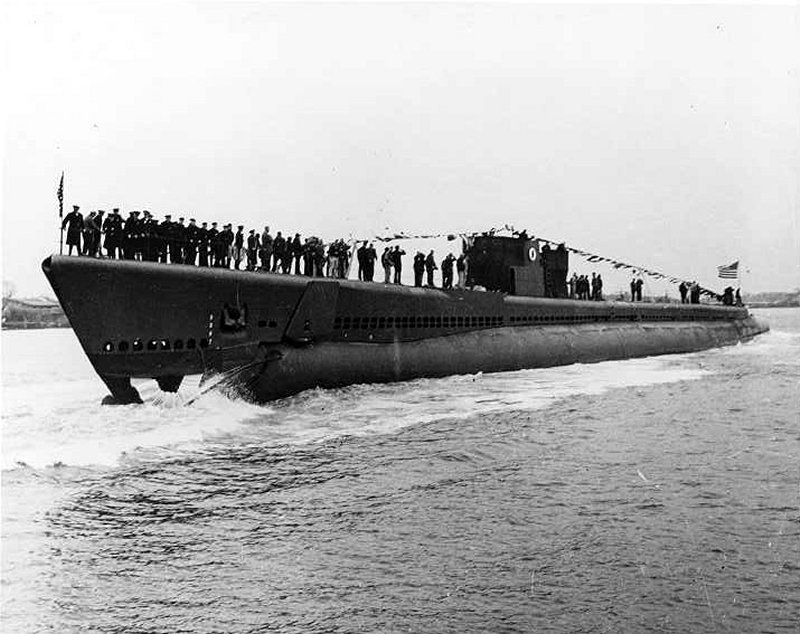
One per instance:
[(142, 237), (146, 239)]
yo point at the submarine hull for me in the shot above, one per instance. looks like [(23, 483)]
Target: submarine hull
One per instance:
[(332, 365), (269, 336)]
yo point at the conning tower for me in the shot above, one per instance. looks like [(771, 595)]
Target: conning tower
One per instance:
[(518, 266)]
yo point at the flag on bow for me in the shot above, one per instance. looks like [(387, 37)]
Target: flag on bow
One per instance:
[(730, 271), (60, 194)]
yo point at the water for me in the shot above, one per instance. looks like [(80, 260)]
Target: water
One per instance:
[(656, 494)]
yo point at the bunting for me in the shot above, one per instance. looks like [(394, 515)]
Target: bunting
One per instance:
[(591, 257)]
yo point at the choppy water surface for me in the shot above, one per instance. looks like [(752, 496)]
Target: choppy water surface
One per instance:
[(654, 494)]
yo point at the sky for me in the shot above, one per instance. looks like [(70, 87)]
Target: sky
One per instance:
[(666, 136)]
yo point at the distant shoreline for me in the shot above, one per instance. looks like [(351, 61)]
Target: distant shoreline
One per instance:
[(33, 325), (32, 314)]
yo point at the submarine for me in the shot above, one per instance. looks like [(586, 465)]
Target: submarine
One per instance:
[(265, 336)]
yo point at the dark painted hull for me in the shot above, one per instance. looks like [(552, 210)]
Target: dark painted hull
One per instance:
[(166, 321), (331, 365)]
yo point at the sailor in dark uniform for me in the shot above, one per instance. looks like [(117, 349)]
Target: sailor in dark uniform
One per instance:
[(308, 257), (297, 252), (278, 252), (397, 262), (88, 233), (202, 245), (683, 289), (386, 263), (227, 245), (461, 270), (138, 237), (129, 235), (192, 242), (213, 244), (73, 221), (344, 259), (238, 247), (288, 254), (253, 243), (447, 271), (110, 237), (265, 253), (97, 232), (165, 239), (180, 240), (419, 268), (370, 255), (430, 267), (360, 259)]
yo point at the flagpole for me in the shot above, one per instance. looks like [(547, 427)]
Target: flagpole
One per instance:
[(739, 272), (60, 195)]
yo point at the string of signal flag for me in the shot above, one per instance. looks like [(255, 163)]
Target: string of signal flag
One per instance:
[(724, 271)]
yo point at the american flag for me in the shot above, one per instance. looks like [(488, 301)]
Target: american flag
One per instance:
[(729, 271), (60, 194)]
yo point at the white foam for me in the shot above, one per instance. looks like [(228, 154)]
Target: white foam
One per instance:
[(52, 417)]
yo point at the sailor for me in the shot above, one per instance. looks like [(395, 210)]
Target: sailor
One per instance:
[(386, 263), (419, 268), (129, 232), (683, 289), (639, 284), (253, 244), (278, 252), (461, 269), (288, 253), (633, 289), (308, 257), (88, 224), (137, 242), (297, 252), (319, 259), (598, 295), (213, 244), (97, 233), (192, 242), (738, 297), (397, 262), (202, 244), (217, 241), (370, 255), (224, 242), (165, 239), (573, 285), (237, 252), (344, 259), (430, 267), (333, 259), (110, 234), (694, 293), (148, 237), (360, 258), (265, 252), (181, 240), (75, 221), (727, 296), (447, 271)]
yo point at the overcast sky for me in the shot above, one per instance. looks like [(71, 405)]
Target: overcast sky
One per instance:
[(665, 136)]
